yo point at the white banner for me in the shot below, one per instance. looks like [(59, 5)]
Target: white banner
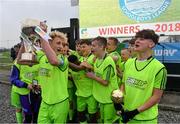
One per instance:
[(167, 28)]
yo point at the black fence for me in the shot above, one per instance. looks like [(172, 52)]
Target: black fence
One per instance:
[(72, 32), (173, 80)]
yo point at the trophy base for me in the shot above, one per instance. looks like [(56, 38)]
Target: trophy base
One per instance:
[(28, 59), (28, 56)]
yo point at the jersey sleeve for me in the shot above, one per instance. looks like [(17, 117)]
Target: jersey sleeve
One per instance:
[(161, 79), (119, 60), (39, 55), (90, 60), (14, 78), (121, 66), (63, 63), (108, 72), (115, 54)]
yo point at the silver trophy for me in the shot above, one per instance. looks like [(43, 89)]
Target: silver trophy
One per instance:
[(29, 54), (31, 40)]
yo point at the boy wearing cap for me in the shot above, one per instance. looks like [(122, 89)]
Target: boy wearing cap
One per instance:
[(144, 80)]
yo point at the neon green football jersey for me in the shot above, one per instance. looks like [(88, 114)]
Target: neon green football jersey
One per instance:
[(100, 92), (26, 75), (115, 53), (83, 84), (53, 80), (140, 78)]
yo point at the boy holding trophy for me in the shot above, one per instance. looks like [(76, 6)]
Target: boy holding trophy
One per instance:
[(53, 78), (51, 73), (24, 77)]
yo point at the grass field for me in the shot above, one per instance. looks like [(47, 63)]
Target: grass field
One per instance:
[(5, 60), (95, 13)]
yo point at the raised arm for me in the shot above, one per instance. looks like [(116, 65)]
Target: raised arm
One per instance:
[(50, 53)]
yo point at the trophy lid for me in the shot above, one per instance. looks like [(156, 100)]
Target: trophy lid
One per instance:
[(28, 25)]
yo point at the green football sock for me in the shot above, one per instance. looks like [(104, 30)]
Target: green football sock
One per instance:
[(19, 117)]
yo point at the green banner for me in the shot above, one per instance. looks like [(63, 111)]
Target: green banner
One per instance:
[(96, 13)]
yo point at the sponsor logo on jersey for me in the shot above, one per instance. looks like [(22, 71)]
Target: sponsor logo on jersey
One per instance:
[(29, 75), (136, 83), (44, 72)]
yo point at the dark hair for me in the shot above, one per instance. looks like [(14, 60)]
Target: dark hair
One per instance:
[(17, 45), (147, 34), (13, 52), (78, 41), (132, 41), (113, 39), (102, 41), (85, 41)]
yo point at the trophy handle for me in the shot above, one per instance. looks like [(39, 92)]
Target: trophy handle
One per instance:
[(27, 43)]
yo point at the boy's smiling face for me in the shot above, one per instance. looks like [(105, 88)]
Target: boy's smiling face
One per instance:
[(86, 49), (57, 45)]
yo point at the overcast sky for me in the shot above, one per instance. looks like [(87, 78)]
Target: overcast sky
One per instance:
[(13, 12)]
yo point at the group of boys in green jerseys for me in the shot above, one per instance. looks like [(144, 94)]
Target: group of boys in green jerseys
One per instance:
[(143, 82), (96, 76), (95, 81), (52, 76), (88, 91)]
